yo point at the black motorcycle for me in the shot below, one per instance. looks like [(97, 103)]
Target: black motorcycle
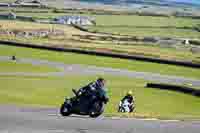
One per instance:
[(90, 104)]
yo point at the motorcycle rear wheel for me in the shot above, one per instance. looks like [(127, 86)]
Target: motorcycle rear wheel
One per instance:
[(97, 110), (94, 114)]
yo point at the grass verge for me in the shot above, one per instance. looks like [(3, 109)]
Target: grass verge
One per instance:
[(71, 58), (13, 66), (50, 91)]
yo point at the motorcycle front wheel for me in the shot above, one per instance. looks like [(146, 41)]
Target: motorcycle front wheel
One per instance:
[(65, 110)]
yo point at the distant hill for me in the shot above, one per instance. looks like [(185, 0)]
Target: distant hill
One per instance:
[(194, 3)]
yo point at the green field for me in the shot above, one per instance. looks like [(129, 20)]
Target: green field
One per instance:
[(50, 91), (134, 24), (183, 53), (149, 32), (147, 26), (146, 50), (71, 58), (123, 20), (123, 24), (7, 1), (14, 66), (134, 20), (138, 25)]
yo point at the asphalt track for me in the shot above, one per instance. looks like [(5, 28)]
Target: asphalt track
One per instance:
[(47, 120)]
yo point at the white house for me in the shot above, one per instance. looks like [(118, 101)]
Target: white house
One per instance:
[(79, 20)]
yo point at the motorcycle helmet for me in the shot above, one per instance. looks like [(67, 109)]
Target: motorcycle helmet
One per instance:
[(129, 92), (100, 82)]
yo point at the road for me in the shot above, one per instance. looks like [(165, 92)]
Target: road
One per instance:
[(47, 120), (93, 70)]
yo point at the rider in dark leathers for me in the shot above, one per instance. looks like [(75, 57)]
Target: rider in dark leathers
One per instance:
[(94, 89)]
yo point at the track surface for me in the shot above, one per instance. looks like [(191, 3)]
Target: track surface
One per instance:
[(93, 70), (46, 120)]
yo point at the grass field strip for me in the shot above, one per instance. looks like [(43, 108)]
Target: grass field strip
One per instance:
[(92, 70)]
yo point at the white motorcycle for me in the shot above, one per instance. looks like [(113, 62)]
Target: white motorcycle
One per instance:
[(125, 106)]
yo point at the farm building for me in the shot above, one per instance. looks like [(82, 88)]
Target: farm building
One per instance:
[(79, 20), (4, 5), (26, 3), (8, 16), (13, 16)]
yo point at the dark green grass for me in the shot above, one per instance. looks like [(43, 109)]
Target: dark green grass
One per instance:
[(71, 58), (50, 91), (137, 25), (13, 66)]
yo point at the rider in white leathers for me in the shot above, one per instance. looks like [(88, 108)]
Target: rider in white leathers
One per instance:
[(127, 104)]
